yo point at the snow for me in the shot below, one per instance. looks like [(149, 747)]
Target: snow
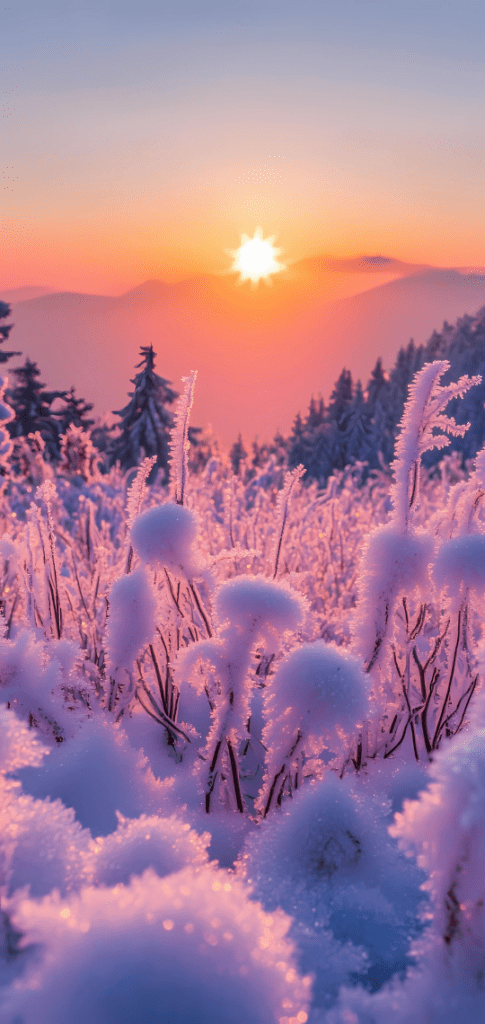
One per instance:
[(131, 623), (164, 537), (259, 798), (191, 947), (460, 564)]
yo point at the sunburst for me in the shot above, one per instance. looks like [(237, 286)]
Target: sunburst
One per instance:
[(256, 258)]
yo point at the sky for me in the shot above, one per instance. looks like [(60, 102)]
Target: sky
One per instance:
[(141, 139)]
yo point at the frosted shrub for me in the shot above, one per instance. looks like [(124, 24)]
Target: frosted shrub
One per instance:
[(78, 454), (6, 416), (28, 458), (445, 829), (399, 629), (163, 537), (190, 947), (131, 626), (317, 693), (327, 859), (35, 678), (248, 609)]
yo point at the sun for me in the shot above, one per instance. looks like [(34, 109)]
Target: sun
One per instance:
[(256, 258)]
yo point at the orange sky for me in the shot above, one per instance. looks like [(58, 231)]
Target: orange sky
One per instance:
[(141, 140)]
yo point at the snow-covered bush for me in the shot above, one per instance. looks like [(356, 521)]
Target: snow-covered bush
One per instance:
[(235, 668), (191, 947), (445, 830)]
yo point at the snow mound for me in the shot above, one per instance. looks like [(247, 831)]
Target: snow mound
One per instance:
[(188, 948), (98, 773), (164, 844)]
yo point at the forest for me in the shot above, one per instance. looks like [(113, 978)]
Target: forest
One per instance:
[(242, 757)]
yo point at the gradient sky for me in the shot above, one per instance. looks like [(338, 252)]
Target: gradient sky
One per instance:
[(140, 139)]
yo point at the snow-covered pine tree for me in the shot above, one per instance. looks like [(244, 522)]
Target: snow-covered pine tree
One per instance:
[(338, 413), (75, 412), (237, 454), (146, 422), (361, 439), (5, 329), (32, 405)]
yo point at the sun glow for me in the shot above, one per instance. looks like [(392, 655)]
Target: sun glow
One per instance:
[(256, 258)]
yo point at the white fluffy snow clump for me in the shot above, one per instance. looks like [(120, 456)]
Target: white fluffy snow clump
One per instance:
[(445, 828), (256, 605), (188, 948), (165, 844), (164, 536), (98, 773), (326, 859), (323, 685), (41, 843), (392, 563), (460, 564), (19, 745), (33, 673), (317, 695), (131, 623)]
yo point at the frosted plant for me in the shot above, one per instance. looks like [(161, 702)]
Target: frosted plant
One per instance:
[(190, 947), (135, 497), (284, 498), (47, 493), (317, 693), (28, 458), (248, 609), (406, 648), (327, 860), (78, 453), (179, 444), (6, 416), (131, 626), (396, 557), (35, 678), (445, 829)]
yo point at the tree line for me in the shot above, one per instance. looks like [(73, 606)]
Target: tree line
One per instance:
[(357, 424)]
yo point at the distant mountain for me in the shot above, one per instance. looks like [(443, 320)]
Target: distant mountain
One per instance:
[(30, 292), (261, 353)]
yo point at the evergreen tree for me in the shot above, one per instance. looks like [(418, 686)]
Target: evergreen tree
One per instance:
[(145, 422), (340, 401), (32, 405), (5, 329), (75, 412), (237, 454), (338, 413), (297, 447), (360, 435)]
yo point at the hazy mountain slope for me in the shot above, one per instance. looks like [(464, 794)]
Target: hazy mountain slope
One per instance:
[(260, 353)]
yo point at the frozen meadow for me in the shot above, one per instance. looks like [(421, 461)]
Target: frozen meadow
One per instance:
[(242, 736)]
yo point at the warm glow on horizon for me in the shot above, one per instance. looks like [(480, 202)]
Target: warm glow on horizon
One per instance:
[(256, 258)]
